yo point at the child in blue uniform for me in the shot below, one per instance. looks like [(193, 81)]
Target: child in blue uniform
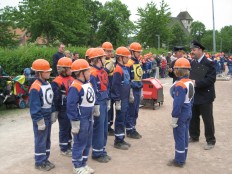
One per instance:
[(120, 94), (99, 80), (109, 68), (182, 92), (60, 86), (41, 99), (136, 74), (80, 103)]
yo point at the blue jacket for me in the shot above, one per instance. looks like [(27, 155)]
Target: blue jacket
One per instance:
[(136, 73), (99, 80), (80, 100), (121, 83), (182, 92), (41, 100), (60, 86)]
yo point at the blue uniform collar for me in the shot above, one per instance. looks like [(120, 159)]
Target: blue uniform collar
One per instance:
[(121, 65), (42, 82), (82, 81), (97, 67), (135, 60)]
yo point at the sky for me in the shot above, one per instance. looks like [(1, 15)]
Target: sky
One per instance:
[(199, 10)]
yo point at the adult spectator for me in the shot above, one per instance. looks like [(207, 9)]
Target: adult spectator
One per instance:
[(168, 58), (203, 74), (56, 57), (68, 54), (179, 52), (154, 66), (75, 56)]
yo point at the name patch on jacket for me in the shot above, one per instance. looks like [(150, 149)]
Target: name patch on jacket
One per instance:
[(138, 72), (103, 80), (47, 95), (88, 99)]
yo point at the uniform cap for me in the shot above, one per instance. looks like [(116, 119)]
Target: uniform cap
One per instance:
[(195, 44), (178, 48)]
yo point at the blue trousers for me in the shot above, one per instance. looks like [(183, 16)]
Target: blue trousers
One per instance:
[(181, 136), (100, 131), (133, 112), (42, 139), (65, 136), (230, 70), (82, 143), (120, 121)]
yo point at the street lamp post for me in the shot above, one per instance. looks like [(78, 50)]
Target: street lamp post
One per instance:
[(158, 40), (214, 39)]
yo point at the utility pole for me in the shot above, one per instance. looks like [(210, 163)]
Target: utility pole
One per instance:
[(214, 38), (158, 40)]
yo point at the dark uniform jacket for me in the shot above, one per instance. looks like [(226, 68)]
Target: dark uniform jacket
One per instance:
[(172, 74), (204, 74)]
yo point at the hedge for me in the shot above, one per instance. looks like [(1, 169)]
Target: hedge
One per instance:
[(14, 61)]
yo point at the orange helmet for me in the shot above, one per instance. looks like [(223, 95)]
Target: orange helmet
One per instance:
[(79, 64), (182, 63), (107, 46), (135, 46), (41, 65), (88, 51), (64, 62), (122, 51), (96, 52), (101, 52)]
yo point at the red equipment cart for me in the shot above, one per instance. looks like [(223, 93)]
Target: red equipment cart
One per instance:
[(152, 92)]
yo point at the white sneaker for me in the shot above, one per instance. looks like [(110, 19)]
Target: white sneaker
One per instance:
[(66, 153), (89, 169), (80, 170)]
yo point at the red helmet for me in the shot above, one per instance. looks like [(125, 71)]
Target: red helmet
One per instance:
[(122, 51), (182, 63), (79, 64), (107, 46), (41, 65), (64, 62), (135, 46)]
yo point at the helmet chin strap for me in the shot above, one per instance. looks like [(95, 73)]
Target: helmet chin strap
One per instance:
[(123, 60), (102, 63), (84, 75)]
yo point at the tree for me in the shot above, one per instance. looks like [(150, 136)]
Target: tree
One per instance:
[(197, 30), (7, 37), (226, 39), (109, 31), (93, 9), (115, 25), (178, 37), (153, 22), (55, 20)]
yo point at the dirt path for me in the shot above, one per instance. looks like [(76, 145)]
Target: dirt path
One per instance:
[(148, 155)]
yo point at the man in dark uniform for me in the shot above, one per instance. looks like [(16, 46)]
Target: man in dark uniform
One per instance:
[(179, 52), (203, 74), (56, 57)]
